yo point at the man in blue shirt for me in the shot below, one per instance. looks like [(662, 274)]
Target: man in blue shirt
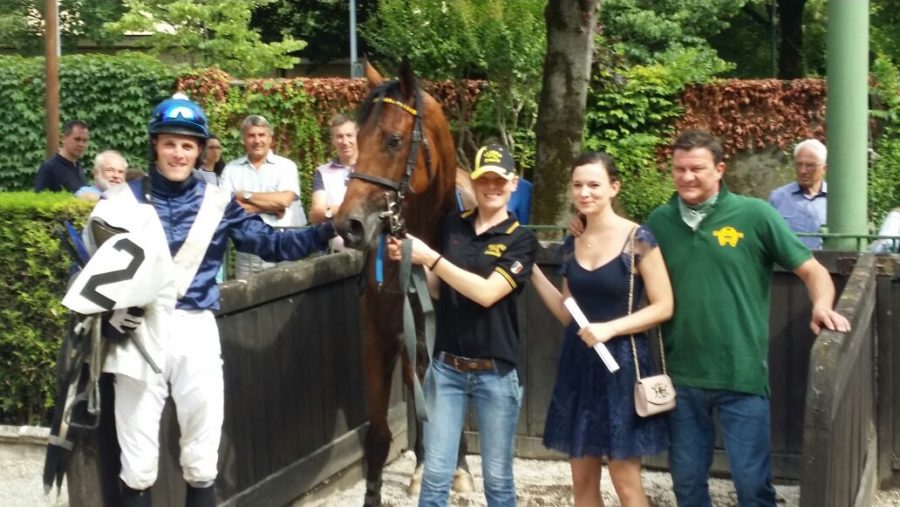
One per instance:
[(520, 201), (803, 203)]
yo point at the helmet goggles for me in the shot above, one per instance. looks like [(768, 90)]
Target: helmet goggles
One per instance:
[(179, 116)]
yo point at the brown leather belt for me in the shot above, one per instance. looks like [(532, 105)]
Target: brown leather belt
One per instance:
[(466, 364)]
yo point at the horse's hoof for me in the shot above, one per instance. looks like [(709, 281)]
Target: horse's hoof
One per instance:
[(462, 481), (415, 481)]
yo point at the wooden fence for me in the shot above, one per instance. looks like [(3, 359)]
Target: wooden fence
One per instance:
[(839, 430), (791, 341), (294, 399), (295, 407)]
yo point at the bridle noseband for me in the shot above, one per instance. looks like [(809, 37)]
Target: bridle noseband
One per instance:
[(392, 214)]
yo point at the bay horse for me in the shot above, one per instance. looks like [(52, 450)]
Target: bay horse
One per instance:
[(406, 157)]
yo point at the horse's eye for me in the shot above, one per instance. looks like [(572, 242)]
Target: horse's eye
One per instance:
[(393, 142)]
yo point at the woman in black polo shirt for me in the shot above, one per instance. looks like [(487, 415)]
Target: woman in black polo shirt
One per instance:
[(487, 258)]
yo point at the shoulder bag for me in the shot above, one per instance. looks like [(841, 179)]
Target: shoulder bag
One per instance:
[(656, 394)]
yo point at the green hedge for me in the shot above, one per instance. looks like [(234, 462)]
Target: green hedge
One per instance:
[(33, 279), (113, 94)]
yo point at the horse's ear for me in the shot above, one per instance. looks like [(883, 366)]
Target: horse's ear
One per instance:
[(406, 78), (372, 75)]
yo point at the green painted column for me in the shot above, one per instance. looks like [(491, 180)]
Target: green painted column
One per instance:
[(847, 120)]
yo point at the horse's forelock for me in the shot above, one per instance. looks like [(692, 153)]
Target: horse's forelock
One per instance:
[(371, 103)]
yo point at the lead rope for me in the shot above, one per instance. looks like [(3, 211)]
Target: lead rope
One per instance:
[(416, 274)]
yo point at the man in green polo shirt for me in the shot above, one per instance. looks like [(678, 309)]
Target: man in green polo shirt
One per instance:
[(720, 249)]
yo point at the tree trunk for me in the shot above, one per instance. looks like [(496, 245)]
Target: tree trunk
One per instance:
[(560, 121), (790, 58)]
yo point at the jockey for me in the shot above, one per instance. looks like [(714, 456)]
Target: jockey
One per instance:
[(175, 233)]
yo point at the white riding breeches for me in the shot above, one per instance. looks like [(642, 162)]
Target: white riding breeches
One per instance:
[(193, 369)]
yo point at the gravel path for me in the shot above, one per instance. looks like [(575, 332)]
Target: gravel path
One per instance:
[(547, 484), (539, 483)]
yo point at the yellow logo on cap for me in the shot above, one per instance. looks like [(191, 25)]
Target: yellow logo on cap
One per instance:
[(491, 157), (495, 249), (728, 236)]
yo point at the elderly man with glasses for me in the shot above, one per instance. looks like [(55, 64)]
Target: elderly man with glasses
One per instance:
[(803, 203)]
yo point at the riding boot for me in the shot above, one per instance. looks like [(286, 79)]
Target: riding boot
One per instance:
[(135, 497), (201, 497)]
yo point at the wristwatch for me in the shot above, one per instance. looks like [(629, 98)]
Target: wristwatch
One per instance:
[(329, 213), (247, 196)]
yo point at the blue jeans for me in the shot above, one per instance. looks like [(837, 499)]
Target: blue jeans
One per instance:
[(497, 398), (745, 428)]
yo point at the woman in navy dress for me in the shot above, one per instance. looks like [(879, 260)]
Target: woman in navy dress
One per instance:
[(591, 413)]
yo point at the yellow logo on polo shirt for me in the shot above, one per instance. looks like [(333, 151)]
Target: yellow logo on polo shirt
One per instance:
[(728, 236), (495, 249)]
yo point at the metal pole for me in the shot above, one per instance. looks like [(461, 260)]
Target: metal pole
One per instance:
[(354, 63), (847, 120), (51, 71)]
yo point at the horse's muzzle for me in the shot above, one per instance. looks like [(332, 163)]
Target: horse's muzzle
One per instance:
[(359, 232)]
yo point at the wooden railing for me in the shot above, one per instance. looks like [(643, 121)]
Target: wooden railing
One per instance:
[(294, 397), (839, 443), (295, 407)]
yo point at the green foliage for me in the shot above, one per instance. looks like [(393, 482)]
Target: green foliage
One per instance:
[(323, 24), (21, 23), (631, 112), (32, 283), (502, 42), (438, 37), (113, 94), (643, 29), (885, 29), (884, 169), (214, 32)]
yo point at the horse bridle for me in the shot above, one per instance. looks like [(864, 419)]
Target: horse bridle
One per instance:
[(408, 274), (393, 214)]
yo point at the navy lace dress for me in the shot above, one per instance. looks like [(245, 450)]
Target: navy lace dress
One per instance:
[(592, 410)]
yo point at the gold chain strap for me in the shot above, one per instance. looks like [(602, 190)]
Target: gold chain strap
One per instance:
[(662, 352), (637, 367)]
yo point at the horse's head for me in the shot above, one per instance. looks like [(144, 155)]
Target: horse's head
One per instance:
[(406, 157)]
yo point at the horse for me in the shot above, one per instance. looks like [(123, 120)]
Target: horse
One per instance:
[(407, 163)]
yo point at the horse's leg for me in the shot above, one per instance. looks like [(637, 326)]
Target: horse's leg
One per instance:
[(415, 480), (379, 356), (462, 478)]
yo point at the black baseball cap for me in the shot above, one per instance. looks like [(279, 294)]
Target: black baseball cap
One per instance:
[(494, 158)]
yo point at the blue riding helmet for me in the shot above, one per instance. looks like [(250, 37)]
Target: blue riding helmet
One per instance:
[(179, 115)]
